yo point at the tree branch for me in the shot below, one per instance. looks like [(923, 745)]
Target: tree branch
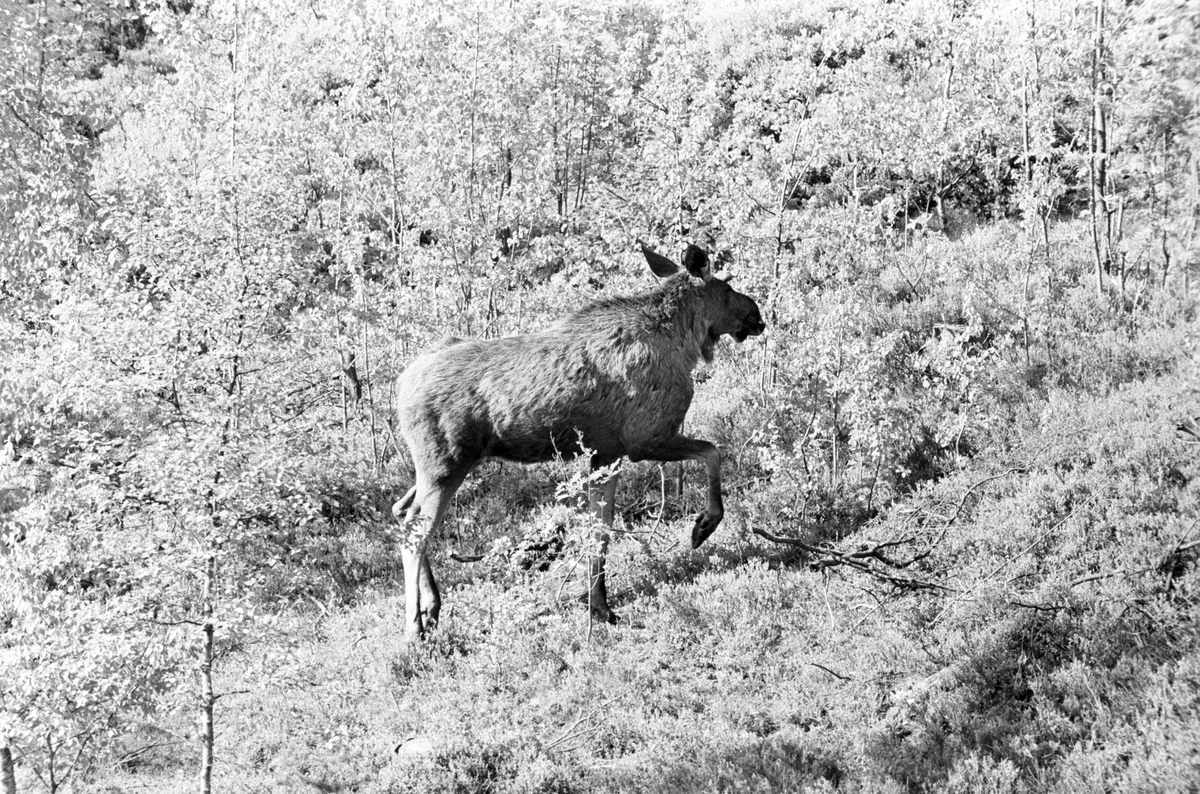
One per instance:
[(26, 124), (831, 672), (573, 732), (860, 560)]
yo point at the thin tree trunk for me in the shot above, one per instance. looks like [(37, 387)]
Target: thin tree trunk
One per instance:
[(834, 431), (51, 777), (207, 697), (1025, 127), (1046, 233), (1193, 218), (1115, 231), (560, 196), (566, 161), (1098, 133), (233, 194), (365, 387), (1033, 49), (345, 410), (352, 388), (1030, 93), (474, 104), (947, 85), (394, 199), (43, 19), (8, 772), (585, 143)]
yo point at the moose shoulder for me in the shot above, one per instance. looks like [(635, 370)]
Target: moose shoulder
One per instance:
[(615, 375)]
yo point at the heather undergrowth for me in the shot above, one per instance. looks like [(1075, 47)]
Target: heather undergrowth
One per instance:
[(951, 561), (1053, 645)]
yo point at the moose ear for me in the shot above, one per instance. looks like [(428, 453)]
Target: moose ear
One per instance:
[(659, 264), (696, 262)]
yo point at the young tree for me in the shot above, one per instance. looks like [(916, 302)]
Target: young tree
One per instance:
[(1098, 148)]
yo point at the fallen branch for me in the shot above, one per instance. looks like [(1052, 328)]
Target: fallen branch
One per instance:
[(962, 503), (861, 560), (1082, 580), (1172, 562), (831, 672), (1036, 607), (875, 562), (578, 729)]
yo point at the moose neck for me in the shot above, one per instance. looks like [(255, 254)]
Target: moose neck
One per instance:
[(678, 318), (671, 319)]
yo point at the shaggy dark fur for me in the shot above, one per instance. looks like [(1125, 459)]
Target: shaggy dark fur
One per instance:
[(617, 374)]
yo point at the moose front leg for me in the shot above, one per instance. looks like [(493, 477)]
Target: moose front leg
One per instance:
[(684, 448), (431, 599), (601, 499)]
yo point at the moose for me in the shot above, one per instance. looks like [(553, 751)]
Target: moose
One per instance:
[(614, 378)]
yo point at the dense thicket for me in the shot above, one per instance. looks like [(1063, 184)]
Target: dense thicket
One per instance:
[(226, 226)]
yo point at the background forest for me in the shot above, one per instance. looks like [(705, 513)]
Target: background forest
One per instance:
[(962, 465)]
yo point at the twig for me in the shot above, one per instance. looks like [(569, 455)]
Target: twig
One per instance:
[(1038, 607), (860, 560), (831, 672), (1037, 541), (133, 755), (949, 520), (615, 194), (962, 502), (1096, 577), (570, 733), (27, 125), (220, 695), (1173, 554)]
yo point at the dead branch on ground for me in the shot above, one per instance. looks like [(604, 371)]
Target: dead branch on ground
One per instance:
[(871, 561)]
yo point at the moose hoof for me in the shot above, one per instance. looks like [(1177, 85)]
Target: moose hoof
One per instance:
[(706, 524)]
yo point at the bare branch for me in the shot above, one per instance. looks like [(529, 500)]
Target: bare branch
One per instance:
[(24, 122), (1038, 607), (831, 672), (577, 730), (963, 501), (220, 695), (860, 560)]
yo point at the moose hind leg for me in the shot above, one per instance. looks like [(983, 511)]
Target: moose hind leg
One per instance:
[(422, 601), (407, 510), (601, 498)]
